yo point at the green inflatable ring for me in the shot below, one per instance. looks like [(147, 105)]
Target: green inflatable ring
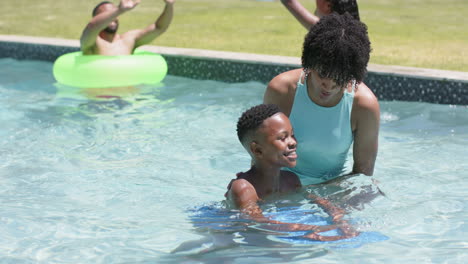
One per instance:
[(98, 71)]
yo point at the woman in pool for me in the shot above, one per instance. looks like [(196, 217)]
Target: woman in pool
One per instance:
[(329, 106), (323, 8), (268, 137)]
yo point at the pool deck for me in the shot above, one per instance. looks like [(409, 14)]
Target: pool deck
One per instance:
[(387, 81)]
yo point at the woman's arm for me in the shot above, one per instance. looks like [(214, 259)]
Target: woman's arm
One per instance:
[(366, 112), (337, 215), (281, 90)]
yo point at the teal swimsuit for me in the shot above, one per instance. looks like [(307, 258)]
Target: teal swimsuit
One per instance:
[(323, 135)]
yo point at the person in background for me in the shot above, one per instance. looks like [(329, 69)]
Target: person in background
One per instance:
[(100, 36), (323, 8), (267, 135), (327, 102)]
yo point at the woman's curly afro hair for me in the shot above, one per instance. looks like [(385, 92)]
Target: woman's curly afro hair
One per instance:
[(337, 47)]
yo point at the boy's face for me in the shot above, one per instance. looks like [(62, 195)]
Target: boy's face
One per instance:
[(276, 141)]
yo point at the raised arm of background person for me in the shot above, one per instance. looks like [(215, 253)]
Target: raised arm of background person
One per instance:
[(145, 36), (306, 18), (366, 113), (101, 21)]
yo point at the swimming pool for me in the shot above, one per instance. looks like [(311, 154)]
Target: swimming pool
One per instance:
[(120, 180)]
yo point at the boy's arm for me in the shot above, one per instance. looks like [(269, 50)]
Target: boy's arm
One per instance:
[(302, 15), (145, 36), (101, 21), (244, 196)]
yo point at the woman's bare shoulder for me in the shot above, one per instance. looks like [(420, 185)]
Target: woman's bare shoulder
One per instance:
[(364, 98), (281, 90), (284, 82)]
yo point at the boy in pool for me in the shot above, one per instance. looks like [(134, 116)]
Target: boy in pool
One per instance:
[(267, 135)]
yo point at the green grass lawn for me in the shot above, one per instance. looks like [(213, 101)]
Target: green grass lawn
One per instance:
[(419, 33)]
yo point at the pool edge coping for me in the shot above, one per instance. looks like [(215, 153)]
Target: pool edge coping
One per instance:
[(253, 58)]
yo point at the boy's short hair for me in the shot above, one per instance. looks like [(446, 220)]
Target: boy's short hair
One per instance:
[(252, 118), (337, 47)]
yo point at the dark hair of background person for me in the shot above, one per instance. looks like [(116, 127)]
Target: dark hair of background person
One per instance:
[(98, 5), (343, 6)]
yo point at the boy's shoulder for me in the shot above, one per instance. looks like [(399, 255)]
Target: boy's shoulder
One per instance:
[(239, 176), (284, 83)]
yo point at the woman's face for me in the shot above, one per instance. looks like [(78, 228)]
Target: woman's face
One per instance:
[(324, 91)]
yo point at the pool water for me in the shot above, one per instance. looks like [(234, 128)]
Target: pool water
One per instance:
[(141, 178)]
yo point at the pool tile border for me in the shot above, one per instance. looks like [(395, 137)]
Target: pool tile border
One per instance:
[(387, 82)]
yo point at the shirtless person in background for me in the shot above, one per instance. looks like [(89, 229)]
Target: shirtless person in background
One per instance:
[(100, 36)]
